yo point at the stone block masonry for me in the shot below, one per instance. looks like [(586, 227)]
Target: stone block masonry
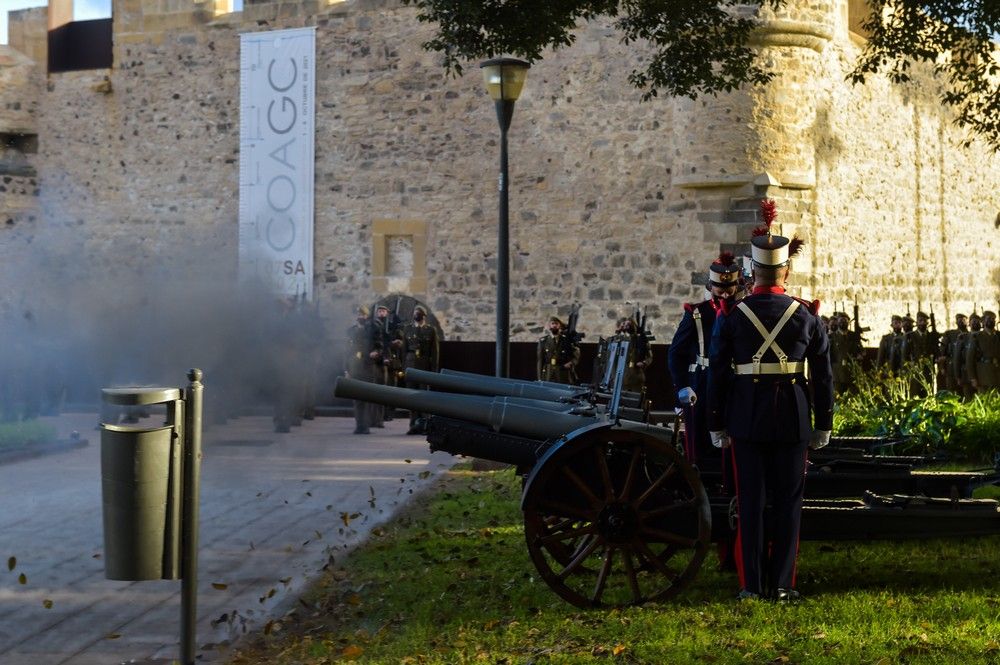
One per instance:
[(614, 201)]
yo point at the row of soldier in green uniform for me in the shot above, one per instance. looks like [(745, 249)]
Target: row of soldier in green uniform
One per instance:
[(380, 349), (965, 359), (559, 353)]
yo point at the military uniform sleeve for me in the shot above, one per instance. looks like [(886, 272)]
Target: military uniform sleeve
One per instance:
[(539, 360), (682, 351), (970, 356), (904, 348), (818, 354), (435, 351), (720, 372)]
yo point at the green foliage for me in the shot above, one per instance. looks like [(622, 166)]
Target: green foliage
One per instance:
[(951, 36), (697, 48), (23, 433), (903, 405), (451, 582), (694, 47)]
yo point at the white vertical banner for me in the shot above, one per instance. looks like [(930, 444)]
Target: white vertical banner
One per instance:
[(277, 136)]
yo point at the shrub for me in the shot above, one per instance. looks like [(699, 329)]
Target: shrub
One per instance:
[(903, 405), (23, 433)]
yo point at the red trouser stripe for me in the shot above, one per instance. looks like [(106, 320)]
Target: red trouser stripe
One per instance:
[(740, 571), (798, 536), (689, 435)]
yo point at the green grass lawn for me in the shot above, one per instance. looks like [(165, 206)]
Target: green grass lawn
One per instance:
[(451, 582), (24, 433)]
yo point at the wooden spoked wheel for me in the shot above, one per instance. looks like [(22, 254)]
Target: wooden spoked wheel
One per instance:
[(616, 517)]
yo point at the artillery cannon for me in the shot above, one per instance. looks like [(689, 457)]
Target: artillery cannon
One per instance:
[(613, 513)]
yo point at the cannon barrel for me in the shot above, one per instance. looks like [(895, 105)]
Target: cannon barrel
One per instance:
[(504, 414), (478, 384), (628, 395)]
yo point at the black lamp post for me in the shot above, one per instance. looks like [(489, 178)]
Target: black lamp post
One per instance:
[(504, 78)]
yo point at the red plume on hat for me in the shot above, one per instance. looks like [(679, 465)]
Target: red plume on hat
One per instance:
[(726, 259), (769, 212)]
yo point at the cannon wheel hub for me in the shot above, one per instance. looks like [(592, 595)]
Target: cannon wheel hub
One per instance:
[(618, 522)]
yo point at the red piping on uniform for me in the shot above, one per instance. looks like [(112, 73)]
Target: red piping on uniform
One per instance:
[(757, 290), (740, 571), (798, 540), (689, 433)]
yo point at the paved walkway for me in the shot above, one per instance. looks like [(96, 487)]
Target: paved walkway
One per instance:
[(271, 507)]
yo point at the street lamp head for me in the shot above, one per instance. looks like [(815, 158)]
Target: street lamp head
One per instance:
[(504, 78)]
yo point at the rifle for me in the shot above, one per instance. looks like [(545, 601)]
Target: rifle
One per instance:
[(858, 330), (570, 337), (642, 336), (933, 322)]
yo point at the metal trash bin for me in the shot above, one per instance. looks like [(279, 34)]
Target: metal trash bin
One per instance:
[(141, 490)]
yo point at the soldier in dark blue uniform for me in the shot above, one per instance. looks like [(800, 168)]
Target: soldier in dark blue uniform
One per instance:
[(688, 355), (759, 404)]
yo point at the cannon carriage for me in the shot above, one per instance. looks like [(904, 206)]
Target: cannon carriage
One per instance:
[(615, 515)]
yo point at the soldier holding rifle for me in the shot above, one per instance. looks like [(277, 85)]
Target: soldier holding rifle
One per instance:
[(420, 351), (559, 351), (357, 365), (982, 356), (948, 361)]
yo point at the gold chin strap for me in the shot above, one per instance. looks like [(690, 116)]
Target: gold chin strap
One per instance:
[(783, 366)]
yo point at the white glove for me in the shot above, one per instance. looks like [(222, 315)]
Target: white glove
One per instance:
[(720, 439), (819, 439), (687, 396), (679, 411)]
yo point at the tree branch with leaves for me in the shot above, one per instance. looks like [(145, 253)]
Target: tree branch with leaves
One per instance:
[(703, 48)]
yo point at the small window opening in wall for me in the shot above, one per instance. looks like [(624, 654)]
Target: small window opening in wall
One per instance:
[(399, 261), (13, 151), (26, 144)]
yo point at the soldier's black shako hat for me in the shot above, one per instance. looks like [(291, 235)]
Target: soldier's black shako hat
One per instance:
[(768, 249), (724, 271)]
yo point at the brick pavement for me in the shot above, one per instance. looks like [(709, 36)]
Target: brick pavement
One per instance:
[(271, 509)]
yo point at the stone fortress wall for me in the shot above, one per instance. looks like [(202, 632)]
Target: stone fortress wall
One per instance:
[(613, 200)]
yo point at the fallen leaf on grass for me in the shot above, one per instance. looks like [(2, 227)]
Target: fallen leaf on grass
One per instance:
[(11, 563), (819, 636), (22, 579), (352, 651), (112, 636), (618, 650), (424, 474), (47, 604), (408, 461), (219, 586)]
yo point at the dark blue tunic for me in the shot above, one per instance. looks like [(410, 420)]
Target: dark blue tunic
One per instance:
[(768, 416), (683, 353)]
